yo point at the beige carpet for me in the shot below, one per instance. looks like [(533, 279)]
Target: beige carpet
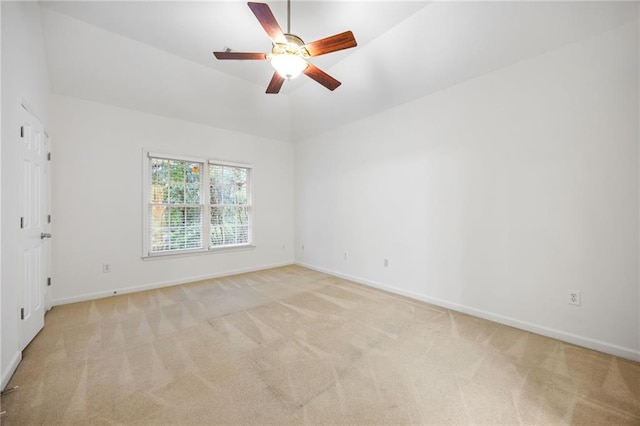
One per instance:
[(295, 346)]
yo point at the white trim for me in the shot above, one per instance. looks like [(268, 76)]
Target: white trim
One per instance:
[(11, 368), (48, 226), (161, 284), (193, 252), (27, 107), (151, 154), (638, 177), (586, 342), (178, 253), (146, 184), (230, 164)]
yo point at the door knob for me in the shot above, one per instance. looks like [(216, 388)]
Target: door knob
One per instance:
[(45, 235)]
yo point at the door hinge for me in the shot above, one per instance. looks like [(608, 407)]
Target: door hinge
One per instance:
[(48, 156), (21, 313), (22, 131), (48, 218), (48, 281), (22, 223)]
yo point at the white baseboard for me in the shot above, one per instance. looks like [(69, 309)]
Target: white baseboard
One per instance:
[(586, 342), (143, 287), (11, 368)]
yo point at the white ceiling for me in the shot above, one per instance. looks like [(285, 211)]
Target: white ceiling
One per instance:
[(157, 56)]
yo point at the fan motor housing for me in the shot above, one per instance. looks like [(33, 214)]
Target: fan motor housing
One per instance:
[(294, 46)]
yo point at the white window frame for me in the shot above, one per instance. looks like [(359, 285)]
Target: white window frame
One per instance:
[(205, 203)]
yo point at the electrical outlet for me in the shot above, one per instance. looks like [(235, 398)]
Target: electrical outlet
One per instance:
[(386, 263), (106, 268), (346, 255), (574, 297)]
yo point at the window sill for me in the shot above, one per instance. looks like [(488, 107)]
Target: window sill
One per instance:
[(187, 253)]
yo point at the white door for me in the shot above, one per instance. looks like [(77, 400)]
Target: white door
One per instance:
[(33, 233)]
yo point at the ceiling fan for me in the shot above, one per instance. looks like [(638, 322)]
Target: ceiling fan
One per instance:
[(289, 53)]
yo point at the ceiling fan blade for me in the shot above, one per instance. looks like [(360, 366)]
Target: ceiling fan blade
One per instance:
[(276, 83), (321, 77), (239, 55), (268, 21), (330, 44)]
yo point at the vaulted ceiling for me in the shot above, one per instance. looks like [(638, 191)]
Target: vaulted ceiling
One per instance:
[(157, 56)]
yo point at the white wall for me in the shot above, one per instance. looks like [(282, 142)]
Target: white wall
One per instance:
[(494, 197), (97, 204), (91, 63), (24, 77)]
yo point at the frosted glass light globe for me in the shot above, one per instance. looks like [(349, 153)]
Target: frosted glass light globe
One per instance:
[(288, 65)]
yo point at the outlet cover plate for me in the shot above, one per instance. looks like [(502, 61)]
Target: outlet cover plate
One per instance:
[(574, 297)]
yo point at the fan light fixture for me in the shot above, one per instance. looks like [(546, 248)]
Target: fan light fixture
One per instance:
[(289, 53), (289, 59)]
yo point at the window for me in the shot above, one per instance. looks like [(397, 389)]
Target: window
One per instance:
[(195, 205), (229, 205)]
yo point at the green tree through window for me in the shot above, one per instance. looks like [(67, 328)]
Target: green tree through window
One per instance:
[(176, 211), (229, 205)]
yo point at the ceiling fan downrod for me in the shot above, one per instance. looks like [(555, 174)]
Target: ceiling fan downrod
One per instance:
[(289, 16)]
